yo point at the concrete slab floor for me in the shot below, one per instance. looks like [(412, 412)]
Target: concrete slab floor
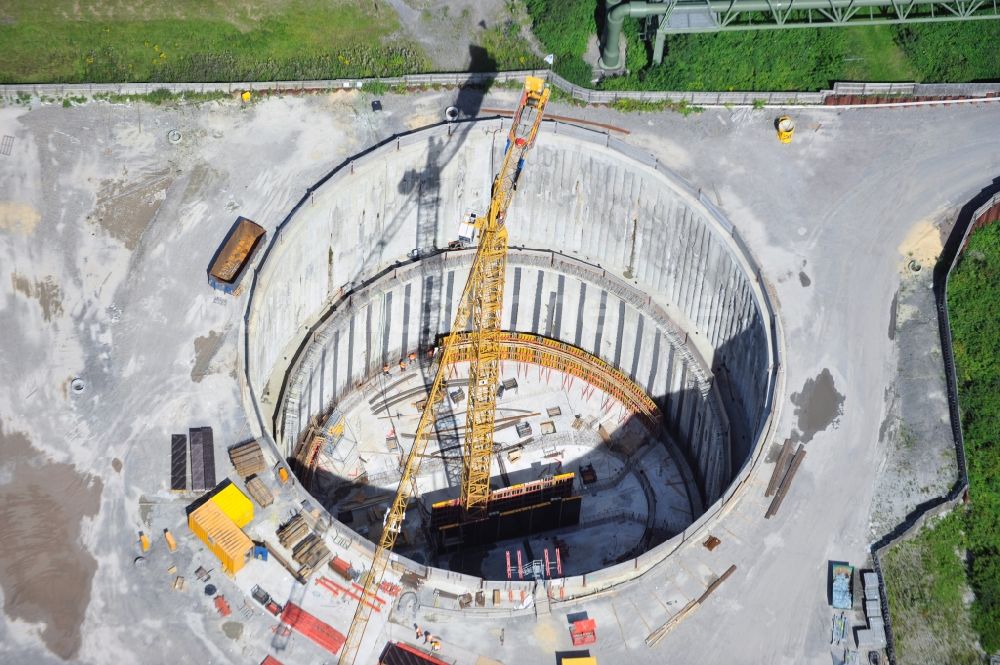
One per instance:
[(106, 230)]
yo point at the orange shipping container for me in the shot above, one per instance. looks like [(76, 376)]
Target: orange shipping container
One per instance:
[(221, 535)]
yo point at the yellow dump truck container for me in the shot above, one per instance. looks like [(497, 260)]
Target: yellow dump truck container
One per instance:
[(234, 503), (221, 535), (236, 252)]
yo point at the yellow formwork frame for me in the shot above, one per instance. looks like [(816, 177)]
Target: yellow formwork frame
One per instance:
[(567, 359), (482, 299)]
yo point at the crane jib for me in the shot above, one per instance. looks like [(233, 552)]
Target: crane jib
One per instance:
[(482, 302)]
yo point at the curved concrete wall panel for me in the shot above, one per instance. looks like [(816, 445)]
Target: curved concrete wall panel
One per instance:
[(547, 295)]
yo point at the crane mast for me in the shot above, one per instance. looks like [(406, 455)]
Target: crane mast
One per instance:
[(485, 302), (482, 305)]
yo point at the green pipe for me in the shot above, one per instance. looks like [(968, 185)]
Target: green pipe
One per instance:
[(613, 22)]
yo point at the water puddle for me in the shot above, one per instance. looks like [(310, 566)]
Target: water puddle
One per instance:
[(232, 629), (817, 406), (45, 572), (205, 349)]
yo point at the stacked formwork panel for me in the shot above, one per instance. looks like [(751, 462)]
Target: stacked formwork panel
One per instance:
[(324, 635), (178, 462), (202, 458), (308, 548), (513, 512)]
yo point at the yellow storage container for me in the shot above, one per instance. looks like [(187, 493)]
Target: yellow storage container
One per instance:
[(234, 503), (221, 535)]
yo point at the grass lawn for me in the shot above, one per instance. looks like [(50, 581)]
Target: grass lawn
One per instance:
[(872, 54), (199, 40), (46, 41), (925, 580)]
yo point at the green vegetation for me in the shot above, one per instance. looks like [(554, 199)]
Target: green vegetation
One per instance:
[(942, 52), (973, 292), (506, 49), (200, 40), (158, 97), (801, 59), (874, 54), (637, 106), (45, 41), (565, 28), (927, 577), (925, 581)]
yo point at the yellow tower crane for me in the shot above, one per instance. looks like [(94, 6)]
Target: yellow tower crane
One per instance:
[(482, 303)]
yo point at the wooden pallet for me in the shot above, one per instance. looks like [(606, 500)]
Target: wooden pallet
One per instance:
[(259, 491), (311, 552), (292, 531)]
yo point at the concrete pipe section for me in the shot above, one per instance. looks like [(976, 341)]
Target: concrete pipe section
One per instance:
[(639, 286)]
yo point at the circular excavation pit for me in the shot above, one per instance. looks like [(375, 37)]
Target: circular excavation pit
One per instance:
[(581, 457), (638, 358)]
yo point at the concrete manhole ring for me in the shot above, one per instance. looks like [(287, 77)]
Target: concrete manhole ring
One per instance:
[(174, 136), (77, 385), (451, 113)]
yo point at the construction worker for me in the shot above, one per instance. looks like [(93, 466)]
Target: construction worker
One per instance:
[(402, 365), (412, 356), (427, 636), (385, 370), (419, 632), (435, 644)]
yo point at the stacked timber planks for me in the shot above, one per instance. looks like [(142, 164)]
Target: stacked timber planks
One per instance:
[(307, 452), (248, 458), (292, 531), (258, 490), (310, 553)]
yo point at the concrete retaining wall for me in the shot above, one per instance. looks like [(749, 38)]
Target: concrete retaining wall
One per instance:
[(546, 294)]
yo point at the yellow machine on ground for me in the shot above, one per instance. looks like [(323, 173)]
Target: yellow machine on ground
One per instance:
[(786, 129), (482, 300)]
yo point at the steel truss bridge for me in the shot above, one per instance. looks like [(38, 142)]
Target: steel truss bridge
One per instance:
[(680, 16)]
